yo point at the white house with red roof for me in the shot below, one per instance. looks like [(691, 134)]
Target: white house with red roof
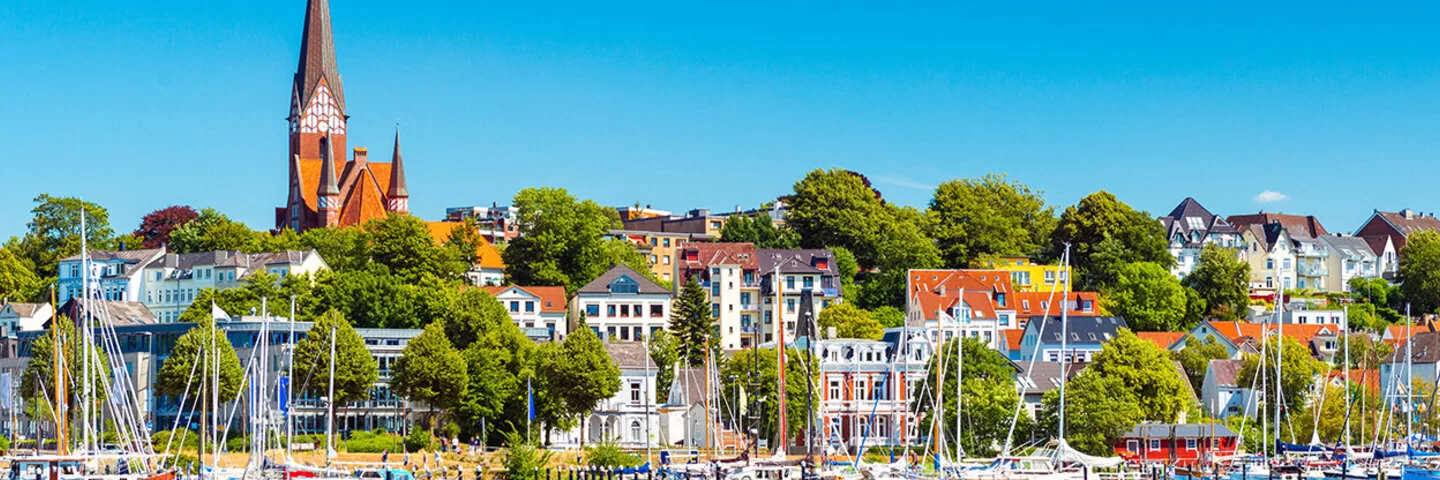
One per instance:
[(540, 312)]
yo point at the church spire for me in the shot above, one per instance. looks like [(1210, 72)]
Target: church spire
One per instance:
[(317, 55), (328, 186), (399, 195)]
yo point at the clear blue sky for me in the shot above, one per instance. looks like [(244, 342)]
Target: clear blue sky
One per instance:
[(140, 105)]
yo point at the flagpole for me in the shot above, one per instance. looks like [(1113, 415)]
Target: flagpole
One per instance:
[(530, 408)]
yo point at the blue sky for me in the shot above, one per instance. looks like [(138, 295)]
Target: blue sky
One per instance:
[(140, 105)]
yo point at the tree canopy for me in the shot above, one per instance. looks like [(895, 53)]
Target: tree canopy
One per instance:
[(212, 230), (204, 344), (577, 374), (155, 227), (430, 370), (693, 323), (759, 230), (1196, 357), (1098, 410), (54, 233), (37, 385), (849, 322), (1147, 296), (355, 369), (739, 373), (988, 395), (1145, 370), (1420, 270), (1128, 235), (988, 216), (1298, 370), (17, 282), (1222, 281), (562, 241)]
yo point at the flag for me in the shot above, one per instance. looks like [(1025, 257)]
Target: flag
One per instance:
[(529, 401), (284, 395), (216, 313), (7, 390)]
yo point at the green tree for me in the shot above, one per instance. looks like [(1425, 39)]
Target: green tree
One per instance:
[(577, 377), (212, 230), (1298, 370), (692, 321), (561, 240), (1420, 270), (355, 369), (17, 282), (193, 361), (344, 249), (1148, 297), (1134, 236), (54, 233), (1098, 410), (430, 370), (888, 316), (848, 268), (472, 315), (987, 394), (759, 230), (498, 362), (1145, 370), (274, 291), (524, 460), (1223, 282), (37, 385), (849, 322), (403, 245), (739, 373), (988, 216), (1365, 352), (838, 208), (155, 227), (664, 350), (903, 248), (1196, 357)]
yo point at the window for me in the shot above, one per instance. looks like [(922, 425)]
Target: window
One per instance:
[(530, 307), (654, 241), (609, 310), (665, 260), (665, 242), (635, 431), (790, 282), (834, 389), (624, 284), (715, 310), (624, 310), (790, 305), (1154, 444), (749, 278), (1285, 264), (592, 310), (514, 306), (657, 310), (809, 282), (715, 289), (1189, 444), (1269, 282), (1049, 277)]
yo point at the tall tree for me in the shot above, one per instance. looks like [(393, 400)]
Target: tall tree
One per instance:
[(1222, 280), (344, 249), (1098, 217), (1145, 370), (850, 322), (561, 240), (1420, 270), (903, 247), (355, 369), (54, 233), (403, 245), (838, 208), (988, 216), (473, 314), (1297, 373), (1148, 297), (759, 230), (848, 268), (155, 227), (987, 393), (693, 322), (430, 370), (579, 376), (889, 317), (17, 282), (37, 385), (1098, 410), (204, 344)]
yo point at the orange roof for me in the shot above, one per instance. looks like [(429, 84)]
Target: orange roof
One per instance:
[(931, 303), (1013, 337), (1033, 303), (362, 189), (1162, 339), (485, 254), (947, 280), (552, 299), (363, 204), (1370, 378), (1234, 331)]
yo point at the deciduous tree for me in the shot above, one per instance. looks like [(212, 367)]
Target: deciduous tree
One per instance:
[(739, 373), (1297, 372), (1222, 280), (578, 377), (988, 395), (430, 370), (37, 385), (213, 230), (849, 322), (1145, 370), (1420, 270), (1098, 410), (888, 316), (665, 352), (562, 240), (355, 369), (1196, 357), (1148, 297), (54, 233), (155, 227), (988, 216), (17, 282), (1135, 236), (403, 245), (759, 230)]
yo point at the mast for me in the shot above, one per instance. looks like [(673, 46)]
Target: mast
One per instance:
[(289, 381), (1064, 333), (780, 357), (960, 372), (1346, 312), (86, 395), (1409, 377), (1279, 355), (330, 406), (215, 391)]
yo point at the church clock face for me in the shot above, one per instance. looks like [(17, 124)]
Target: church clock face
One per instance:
[(322, 116)]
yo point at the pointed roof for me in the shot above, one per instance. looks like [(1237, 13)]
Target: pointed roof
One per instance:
[(317, 55), (397, 172), (602, 283), (1189, 207), (327, 186)]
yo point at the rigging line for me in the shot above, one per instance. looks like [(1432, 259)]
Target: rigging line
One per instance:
[(183, 396), (1035, 352)]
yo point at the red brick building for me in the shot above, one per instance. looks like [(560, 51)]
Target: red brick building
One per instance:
[(325, 187)]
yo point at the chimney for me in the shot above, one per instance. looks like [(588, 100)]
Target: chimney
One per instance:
[(1408, 214), (361, 156)]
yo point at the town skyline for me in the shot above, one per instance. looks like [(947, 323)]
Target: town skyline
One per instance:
[(494, 90)]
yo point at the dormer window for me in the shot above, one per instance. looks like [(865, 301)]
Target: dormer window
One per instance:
[(624, 284), (822, 263)]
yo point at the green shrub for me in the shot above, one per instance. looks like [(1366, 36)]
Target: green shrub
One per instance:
[(609, 455), (175, 438), (419, 439), (372, 442), (523, 459)]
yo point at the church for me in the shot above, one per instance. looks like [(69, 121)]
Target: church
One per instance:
[(326, 188)]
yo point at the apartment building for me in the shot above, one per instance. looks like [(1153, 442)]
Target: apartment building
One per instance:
[(794, 284), (540, 312), (1026, 275), (866, 388), (622, 305), (1189, 227), (660, 248), (114, 273), (730, 275), (171, 281)]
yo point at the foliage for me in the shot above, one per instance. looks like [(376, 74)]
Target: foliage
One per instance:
[(987, 391), (888, 316), (847, 267), (524, 460), (1147, 296), (1420, 270), (992, 215), (430, 370), (1222, 281), (1129, 235), (17, 281), (54, 233), (418, 439), (1365, 351), (838, 208), (155, 227), (1298, 370), (260, 291), (693, 323), (212, 230), (472, 314), (1196, 357), (355, 369), (344, 249), (1098, 410), (206, 344), (377, 299), (576, 375), (403, 245), (176, 439), (739, 372), (378, 441), (606, 454), (849, 322), (562, 241), (1327, 413), (759, 230), (37, 385), (1146, 371), (903, 247), (664, 350)]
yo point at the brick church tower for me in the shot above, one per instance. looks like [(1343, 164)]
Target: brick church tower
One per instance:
[(326, 188)]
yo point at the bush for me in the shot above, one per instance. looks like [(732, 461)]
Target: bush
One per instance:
[(176, 439), (419, 439), (239, 443), (372, 442), (609, 455), (450, 430), (523, 459)]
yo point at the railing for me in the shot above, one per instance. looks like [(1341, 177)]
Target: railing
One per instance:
[(749, 307), (1308, 270)]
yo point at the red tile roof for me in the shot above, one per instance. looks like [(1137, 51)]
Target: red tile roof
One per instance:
[(742, 254), (1235, 331), (1296, 224), (997, 281), (485, 254), (1028, 304), (1013, 337), (552, 299), (1161, 339)]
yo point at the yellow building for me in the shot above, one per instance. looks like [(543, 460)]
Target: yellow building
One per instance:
[(1025, 274), (659, 248)]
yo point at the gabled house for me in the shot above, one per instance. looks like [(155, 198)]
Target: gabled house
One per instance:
[(1386, 233), (795, 284), (1424, 354), (116, 273), (540, 312), (628, 418), (173, 280), (23, 317), (1042, 338), (978, 303), (622, 305), (1245, 337), (1350, 257), (1221, 394), (1283, 250), (1189, 227)]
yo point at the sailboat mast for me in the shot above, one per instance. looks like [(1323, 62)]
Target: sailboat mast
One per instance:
[(330, 406), (1346, 312), (290, 383), (1409, 377), (960, 371), (1064, 334), (1279, 356), (215, 391), (780, 356), (85, 342)]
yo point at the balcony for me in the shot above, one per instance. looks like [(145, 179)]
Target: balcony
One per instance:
[(1309, 270), (749, 307)]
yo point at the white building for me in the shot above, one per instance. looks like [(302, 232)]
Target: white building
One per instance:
[(1303, 316), (115, 273), (171, 282), (1350, 257), (1189, 227), (622, 305), (538, 311), (864, 394), (787, 279), (1221, 395), (630, 418), (23, 317)]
